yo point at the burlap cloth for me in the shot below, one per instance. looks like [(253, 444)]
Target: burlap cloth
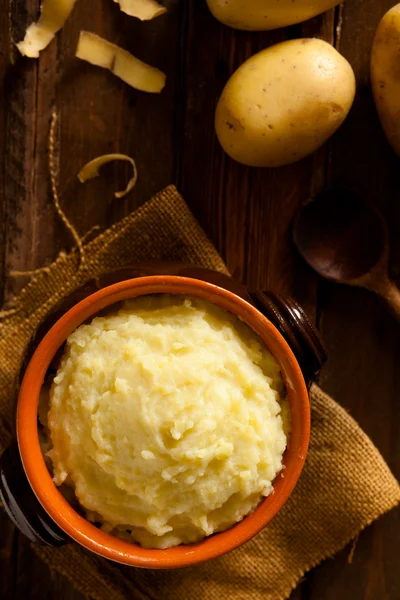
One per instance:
[(344, 487)]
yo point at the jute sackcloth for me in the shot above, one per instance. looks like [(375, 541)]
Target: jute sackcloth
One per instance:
[(345, 484)]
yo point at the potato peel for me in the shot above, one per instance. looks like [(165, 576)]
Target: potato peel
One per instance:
[(145, 10), (53, 14), (92, 169), (121, 63)]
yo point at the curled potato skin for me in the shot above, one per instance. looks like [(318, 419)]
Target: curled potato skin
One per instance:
[(385, 75), (139, 75), (145, 10), (92, 169), (53, 15), (284, 102)]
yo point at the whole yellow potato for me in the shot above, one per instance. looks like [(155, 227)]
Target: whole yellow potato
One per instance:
[(284, 102), (385, 75), (258, 15)]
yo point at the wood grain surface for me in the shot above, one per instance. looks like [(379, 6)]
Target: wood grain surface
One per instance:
[(246, 212)]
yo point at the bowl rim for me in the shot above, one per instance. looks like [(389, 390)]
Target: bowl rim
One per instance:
[(87, 534)]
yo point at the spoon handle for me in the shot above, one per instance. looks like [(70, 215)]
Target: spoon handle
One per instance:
[(390, 293)]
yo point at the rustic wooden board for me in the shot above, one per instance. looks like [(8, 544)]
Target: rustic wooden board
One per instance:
[(363, 340), (246, 212)]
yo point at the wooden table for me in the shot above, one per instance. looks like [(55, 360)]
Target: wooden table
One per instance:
[(246, 212)]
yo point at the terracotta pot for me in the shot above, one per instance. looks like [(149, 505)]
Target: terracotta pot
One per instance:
[(26, 487)]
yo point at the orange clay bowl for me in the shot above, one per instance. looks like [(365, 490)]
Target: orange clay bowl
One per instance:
[(87, 534)]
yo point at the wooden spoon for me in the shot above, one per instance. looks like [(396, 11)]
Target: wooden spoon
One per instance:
[(345, 239)]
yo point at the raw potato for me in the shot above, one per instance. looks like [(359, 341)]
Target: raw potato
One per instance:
[(385, 75), (142, 9), (258, 15), (284, 102), (53, 14), (121, 63)]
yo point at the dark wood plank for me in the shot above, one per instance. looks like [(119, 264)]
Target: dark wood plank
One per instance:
[(4, 65), (20, 86), (364, 341), (247, 212), (26, 243), (8, 560), (11, 118), (33, 579)]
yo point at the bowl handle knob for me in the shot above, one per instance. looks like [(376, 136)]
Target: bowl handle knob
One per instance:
[(21, 504), (292, 322)]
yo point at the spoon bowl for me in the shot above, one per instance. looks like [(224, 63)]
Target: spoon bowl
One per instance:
[(344, 238), (341, 236)]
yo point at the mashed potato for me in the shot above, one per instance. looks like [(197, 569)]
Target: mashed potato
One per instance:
[(165, 418)]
